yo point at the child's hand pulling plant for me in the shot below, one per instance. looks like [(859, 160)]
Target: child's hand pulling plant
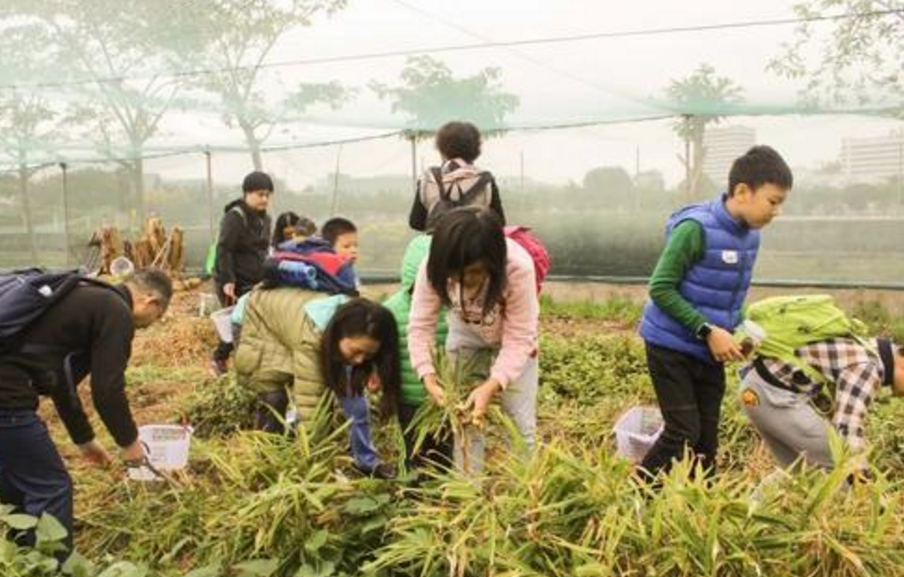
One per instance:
[(479, 400)]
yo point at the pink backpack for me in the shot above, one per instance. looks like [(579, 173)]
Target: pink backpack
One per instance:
[(538, 253)]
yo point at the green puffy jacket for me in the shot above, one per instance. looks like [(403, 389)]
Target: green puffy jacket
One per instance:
[(413, 392), (280, 344)]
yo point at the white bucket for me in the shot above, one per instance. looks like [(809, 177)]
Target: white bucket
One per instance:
[(222, 320), (637, 430), (208, 303), (167, 449)]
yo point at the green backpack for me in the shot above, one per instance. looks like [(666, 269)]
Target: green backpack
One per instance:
[(210, 262), (791, 322)]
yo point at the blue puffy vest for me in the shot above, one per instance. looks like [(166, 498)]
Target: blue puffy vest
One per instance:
[(716, 286)]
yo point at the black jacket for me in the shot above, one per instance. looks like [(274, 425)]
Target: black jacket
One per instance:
[(242, 246), (89, 331)]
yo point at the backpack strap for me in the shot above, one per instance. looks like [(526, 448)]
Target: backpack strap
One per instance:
[(483, 180), (241, 213), (437, 173)]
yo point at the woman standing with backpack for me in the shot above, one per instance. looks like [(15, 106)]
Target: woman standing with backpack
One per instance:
[(457, 181), (488, 284)]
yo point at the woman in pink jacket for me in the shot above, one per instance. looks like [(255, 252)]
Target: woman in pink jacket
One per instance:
[(486, 282)]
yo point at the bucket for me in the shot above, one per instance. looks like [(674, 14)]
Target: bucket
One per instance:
[(208, 303), (222, 320), (637, 430), (166, 447)]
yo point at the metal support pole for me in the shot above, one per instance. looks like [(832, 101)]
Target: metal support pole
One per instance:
[(210, 210), (413, 161), (522, 172), (901, 172), (66, 231), (336, 183), (687, 155)]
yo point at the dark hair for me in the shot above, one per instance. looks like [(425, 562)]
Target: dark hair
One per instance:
[(155, 282), (284, 220), (360, 317), (760, 165), (336, 227), (462, 237), (458, 140), (305, 226), (257, 181)]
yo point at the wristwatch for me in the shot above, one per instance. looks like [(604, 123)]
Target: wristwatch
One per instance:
[(704, 331)]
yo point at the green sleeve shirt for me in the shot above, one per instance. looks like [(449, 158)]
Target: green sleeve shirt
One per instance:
[(683, 250)]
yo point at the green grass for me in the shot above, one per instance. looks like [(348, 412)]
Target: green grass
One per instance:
[(622, 310), (268, 506)]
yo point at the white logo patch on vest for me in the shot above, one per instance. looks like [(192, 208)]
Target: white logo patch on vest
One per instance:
[(730, 256)]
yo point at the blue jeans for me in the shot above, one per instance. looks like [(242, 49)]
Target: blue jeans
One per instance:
[(272, 409), (32, 474), (357, 411)]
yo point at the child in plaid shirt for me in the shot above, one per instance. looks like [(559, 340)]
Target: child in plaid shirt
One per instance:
[(777, 396)]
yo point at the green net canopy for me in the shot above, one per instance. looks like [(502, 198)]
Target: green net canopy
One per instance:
[(600, 119)]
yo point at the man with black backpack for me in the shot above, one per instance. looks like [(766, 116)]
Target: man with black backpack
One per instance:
[(242, 248), (56, 329), (457, 182)]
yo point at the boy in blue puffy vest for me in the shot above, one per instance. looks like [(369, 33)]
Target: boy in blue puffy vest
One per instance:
[(696, 294)]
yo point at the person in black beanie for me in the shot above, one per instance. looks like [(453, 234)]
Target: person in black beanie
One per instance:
[(241, 249)]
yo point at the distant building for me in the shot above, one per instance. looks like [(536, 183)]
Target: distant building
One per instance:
[(722, 146), (876, 158)]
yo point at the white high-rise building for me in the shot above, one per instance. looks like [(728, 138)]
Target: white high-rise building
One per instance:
[(875, 158), (722, 146)]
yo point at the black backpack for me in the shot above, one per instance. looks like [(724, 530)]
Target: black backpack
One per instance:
[(447, 203), (25, 295)]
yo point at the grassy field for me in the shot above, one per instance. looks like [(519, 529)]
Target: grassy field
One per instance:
[(254, 505)]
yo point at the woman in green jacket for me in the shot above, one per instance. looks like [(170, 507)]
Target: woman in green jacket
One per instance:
[(413, 393)]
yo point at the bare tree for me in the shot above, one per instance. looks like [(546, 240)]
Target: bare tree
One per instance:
[(235, 38), (857, 63), (28, 123), (116, 55)]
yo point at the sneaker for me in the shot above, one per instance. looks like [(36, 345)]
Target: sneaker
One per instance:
[(218, 367), (381, 471)]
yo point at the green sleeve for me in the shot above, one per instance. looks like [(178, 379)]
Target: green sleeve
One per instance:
[(683, 250)]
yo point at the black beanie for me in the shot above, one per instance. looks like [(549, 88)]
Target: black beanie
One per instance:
[(257, 181), (887, 354)]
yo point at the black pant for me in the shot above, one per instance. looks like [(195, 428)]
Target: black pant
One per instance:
[(33, 477), (437, 451), (270, 412), (690, 394)]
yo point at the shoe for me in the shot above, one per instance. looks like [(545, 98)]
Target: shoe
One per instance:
[(381, 471), (218, 367)]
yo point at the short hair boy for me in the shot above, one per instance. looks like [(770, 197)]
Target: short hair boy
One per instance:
[(342, 234), (696, 293)]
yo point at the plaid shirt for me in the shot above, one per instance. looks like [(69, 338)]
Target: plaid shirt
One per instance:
[(856, 371)]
